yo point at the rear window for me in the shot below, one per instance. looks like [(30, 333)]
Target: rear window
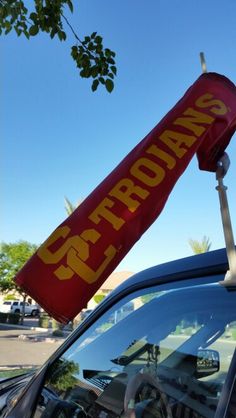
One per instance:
[(6, 303)]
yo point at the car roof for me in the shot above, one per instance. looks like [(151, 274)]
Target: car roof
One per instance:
[(206, 264)]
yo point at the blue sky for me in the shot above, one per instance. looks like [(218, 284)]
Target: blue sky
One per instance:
[(60, 139)]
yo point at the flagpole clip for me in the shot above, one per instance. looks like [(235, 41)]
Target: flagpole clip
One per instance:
[(222, 166), (222, 169)]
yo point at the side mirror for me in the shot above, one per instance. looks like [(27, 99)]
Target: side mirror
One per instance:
[(208, 362)]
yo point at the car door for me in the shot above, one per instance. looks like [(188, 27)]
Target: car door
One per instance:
[(172, 356)]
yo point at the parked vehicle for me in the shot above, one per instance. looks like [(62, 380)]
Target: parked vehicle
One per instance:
[(16, 306), (171, 356)]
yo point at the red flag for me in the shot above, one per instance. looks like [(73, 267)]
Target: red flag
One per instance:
[(71, 265)]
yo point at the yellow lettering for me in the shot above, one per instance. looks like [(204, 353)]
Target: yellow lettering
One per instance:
[(79, 244), (192, 122), (76, 249), (123, 191), (102, 211), (77, 256), (217, 106), (44, 252), (147, 172), (175, 140), (162, 155)]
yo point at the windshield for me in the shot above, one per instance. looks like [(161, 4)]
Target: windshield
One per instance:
[(163, 348)]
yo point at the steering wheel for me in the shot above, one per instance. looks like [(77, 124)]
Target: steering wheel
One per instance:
[(143, 395)]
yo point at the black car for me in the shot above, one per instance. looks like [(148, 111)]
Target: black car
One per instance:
[(171, 356)]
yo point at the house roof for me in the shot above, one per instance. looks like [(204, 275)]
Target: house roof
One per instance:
[(115, 279)]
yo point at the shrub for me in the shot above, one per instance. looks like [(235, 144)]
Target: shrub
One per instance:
[(177, 330), (44, 321), (233, 333), (98, 298), (3, 317), (57, 325), (57, 333), (13, 318)]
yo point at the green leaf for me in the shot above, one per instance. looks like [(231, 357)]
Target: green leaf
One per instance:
[(70, 5), (95, 85), (8, 25), (26, 34), (34, 17), (91, 46), (113, 69), (101, 79), (62, 35), (99, 49), (107, 52), (109, 85), (94, 71), (33, 30), (53, 33), (98, 39), (8, 30), (74, 52), (18, 31), (93, 35), (110, 60), (85, 73), (104, 70)]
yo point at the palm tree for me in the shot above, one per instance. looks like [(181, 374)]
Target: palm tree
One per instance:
[(200, 247), (69, 207)]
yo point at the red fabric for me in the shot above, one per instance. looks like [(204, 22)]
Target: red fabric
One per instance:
[(82, 252)]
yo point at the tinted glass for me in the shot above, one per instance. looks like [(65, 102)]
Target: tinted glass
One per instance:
[(159, 353)]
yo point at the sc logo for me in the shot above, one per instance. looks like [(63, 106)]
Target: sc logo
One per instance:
[(76, 249)]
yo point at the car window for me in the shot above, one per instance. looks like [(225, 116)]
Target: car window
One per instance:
[(15, 304), (6, 303), (163, 351)]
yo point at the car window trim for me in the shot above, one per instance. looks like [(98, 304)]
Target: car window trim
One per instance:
[(27, 402), (225, 396)]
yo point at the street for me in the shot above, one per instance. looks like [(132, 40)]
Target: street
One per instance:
[(24, 353)]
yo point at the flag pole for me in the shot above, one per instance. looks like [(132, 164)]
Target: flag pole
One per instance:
[(203, 62), (222, 168), (223, 165)]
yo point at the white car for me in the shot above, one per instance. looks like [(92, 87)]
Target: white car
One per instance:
[(16, 306)]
